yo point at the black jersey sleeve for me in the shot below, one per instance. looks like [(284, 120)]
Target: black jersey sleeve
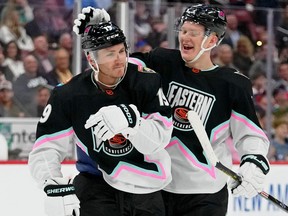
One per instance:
[(156, 123), (248, 136)]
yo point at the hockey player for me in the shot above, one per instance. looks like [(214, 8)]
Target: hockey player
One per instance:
[(121, 121), (223, 99)]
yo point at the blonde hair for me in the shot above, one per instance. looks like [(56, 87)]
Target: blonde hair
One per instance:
[(9, 18), (277, 122), (244, 40)]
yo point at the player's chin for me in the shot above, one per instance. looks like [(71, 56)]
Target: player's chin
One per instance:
[(186, 58), (186, 54), (119, 72)]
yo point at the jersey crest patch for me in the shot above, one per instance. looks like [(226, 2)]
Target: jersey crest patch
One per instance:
[(146, 70), (183, 98)]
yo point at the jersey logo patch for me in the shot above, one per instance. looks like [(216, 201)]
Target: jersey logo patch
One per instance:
[(183, 98), (116, 146), (180, 114), (117, 140)]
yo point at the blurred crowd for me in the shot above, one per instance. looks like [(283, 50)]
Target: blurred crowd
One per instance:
[(36, 45)]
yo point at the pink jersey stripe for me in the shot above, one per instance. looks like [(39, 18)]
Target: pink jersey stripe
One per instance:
[(191, 157), (221, 128), (131, 168), (47, 138), (248, 124), (167, 121)]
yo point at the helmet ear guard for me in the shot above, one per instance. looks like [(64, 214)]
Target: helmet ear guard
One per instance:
[(212, 18)]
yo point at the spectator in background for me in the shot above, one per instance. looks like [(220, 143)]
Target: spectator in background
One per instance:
[(61, 72), (25, 87), (9, 107), (142, 46), (55, 18), (13, 60), (23, 8), (262, 100), (279, 141), (48, 20), (42, 96), (259, 83), (2, 77), (232, 33), (43, 55), (142, 16), (282, 29), (260, 63), (260, 36), (66, 42), (280, 95), (224, 56), (164, 44), (243, 57), (40, 24), (4, 69), (283, 54), (282, 72), (158, 33), (244, 13), (261, 115), (12, 30)]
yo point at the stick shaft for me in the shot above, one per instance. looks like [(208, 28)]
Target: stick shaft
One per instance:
[(263, 194), (203, 138)]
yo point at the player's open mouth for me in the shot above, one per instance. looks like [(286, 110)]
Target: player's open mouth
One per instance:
[(186, 47)]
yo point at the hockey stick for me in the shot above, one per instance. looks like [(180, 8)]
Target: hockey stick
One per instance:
[(200, 131)]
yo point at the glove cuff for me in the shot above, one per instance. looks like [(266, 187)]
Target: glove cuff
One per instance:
[(53, 188), (129, 114), (257, 159)]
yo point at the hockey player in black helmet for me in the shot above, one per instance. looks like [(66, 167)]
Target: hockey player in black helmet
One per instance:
[(212, 19), (121, 122), (223, 99), (101, 36)]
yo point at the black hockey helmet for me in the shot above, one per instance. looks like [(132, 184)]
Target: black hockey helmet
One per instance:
[(212, 18), (101, 36)]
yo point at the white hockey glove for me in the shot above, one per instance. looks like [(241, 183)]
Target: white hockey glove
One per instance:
[(89, 16), (253, 169), (61, 199), (112, 120)]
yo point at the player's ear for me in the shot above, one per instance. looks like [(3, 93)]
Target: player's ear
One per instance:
[(89, 57), (213, 39)]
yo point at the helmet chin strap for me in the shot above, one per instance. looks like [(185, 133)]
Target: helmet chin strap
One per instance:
[(97, 71), (201, 51)]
